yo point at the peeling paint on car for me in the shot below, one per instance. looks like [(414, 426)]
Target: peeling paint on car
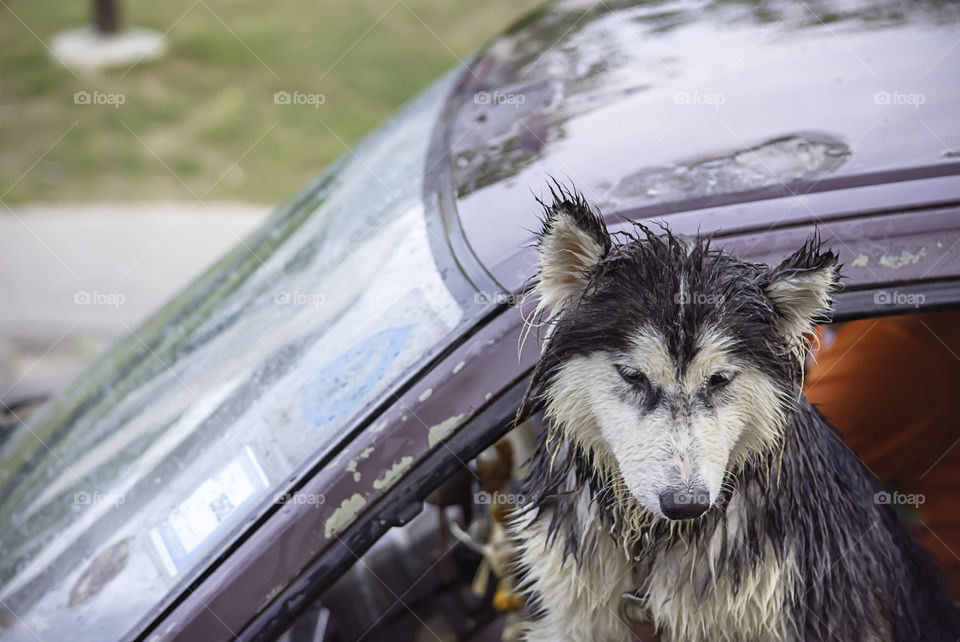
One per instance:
[(787, 158), (457, 368), (352, 466), (897, 261), (344, 516), (443, 429), (862, 260), (426, 394), (275, 591), (390, 477)]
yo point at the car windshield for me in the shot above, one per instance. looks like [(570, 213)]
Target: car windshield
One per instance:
[(145, 468)]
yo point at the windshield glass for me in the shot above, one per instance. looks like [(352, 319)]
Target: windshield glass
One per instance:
[(114, 493)]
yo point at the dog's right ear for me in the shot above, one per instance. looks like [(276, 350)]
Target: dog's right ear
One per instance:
[(573, 241)]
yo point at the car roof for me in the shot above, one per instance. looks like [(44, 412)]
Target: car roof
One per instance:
[(727, 119)]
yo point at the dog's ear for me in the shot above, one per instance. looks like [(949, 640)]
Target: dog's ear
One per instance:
[(801, 290), (572, 243)]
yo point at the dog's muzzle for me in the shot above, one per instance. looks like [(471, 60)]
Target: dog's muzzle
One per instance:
[(684, 504)]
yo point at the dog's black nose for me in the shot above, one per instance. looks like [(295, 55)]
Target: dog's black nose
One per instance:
[(684, 504)]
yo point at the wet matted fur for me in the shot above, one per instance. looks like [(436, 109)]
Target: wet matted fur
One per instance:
[(671, 383)]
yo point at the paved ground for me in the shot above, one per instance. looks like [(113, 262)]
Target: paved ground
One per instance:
[(74, 278)]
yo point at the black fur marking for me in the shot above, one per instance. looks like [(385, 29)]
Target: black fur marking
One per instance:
[(704, 287), (809, 258), (569, 202)]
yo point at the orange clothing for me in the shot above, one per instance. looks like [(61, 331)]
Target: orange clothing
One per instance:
[(892, 387)]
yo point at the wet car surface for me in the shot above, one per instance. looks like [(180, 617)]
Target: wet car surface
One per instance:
[(711, 121), (247, 445)]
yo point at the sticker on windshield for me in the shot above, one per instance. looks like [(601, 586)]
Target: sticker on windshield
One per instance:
[(343, 384), (206, 509)]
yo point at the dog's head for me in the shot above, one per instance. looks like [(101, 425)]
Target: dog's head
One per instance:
[(669, 363)]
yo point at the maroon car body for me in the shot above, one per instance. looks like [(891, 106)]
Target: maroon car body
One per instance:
[(758, 123)]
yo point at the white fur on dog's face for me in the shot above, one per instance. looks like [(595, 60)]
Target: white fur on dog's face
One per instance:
[(654, 422), (689, 438)]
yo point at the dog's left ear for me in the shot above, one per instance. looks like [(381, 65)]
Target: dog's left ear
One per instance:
[(801, 290), (573, 241)]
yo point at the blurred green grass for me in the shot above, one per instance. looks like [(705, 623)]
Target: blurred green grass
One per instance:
[(202, 120)]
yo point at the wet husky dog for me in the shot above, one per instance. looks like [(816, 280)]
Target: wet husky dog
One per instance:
[(683, 476)]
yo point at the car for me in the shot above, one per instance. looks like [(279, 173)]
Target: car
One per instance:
[(253, 458)]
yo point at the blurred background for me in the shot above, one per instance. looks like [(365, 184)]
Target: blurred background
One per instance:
[(127, 168)]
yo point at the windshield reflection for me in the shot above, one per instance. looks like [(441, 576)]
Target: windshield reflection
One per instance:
[(148, 465)]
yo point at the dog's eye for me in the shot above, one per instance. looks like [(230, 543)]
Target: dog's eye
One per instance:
[(633, 376), (718, 381)]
